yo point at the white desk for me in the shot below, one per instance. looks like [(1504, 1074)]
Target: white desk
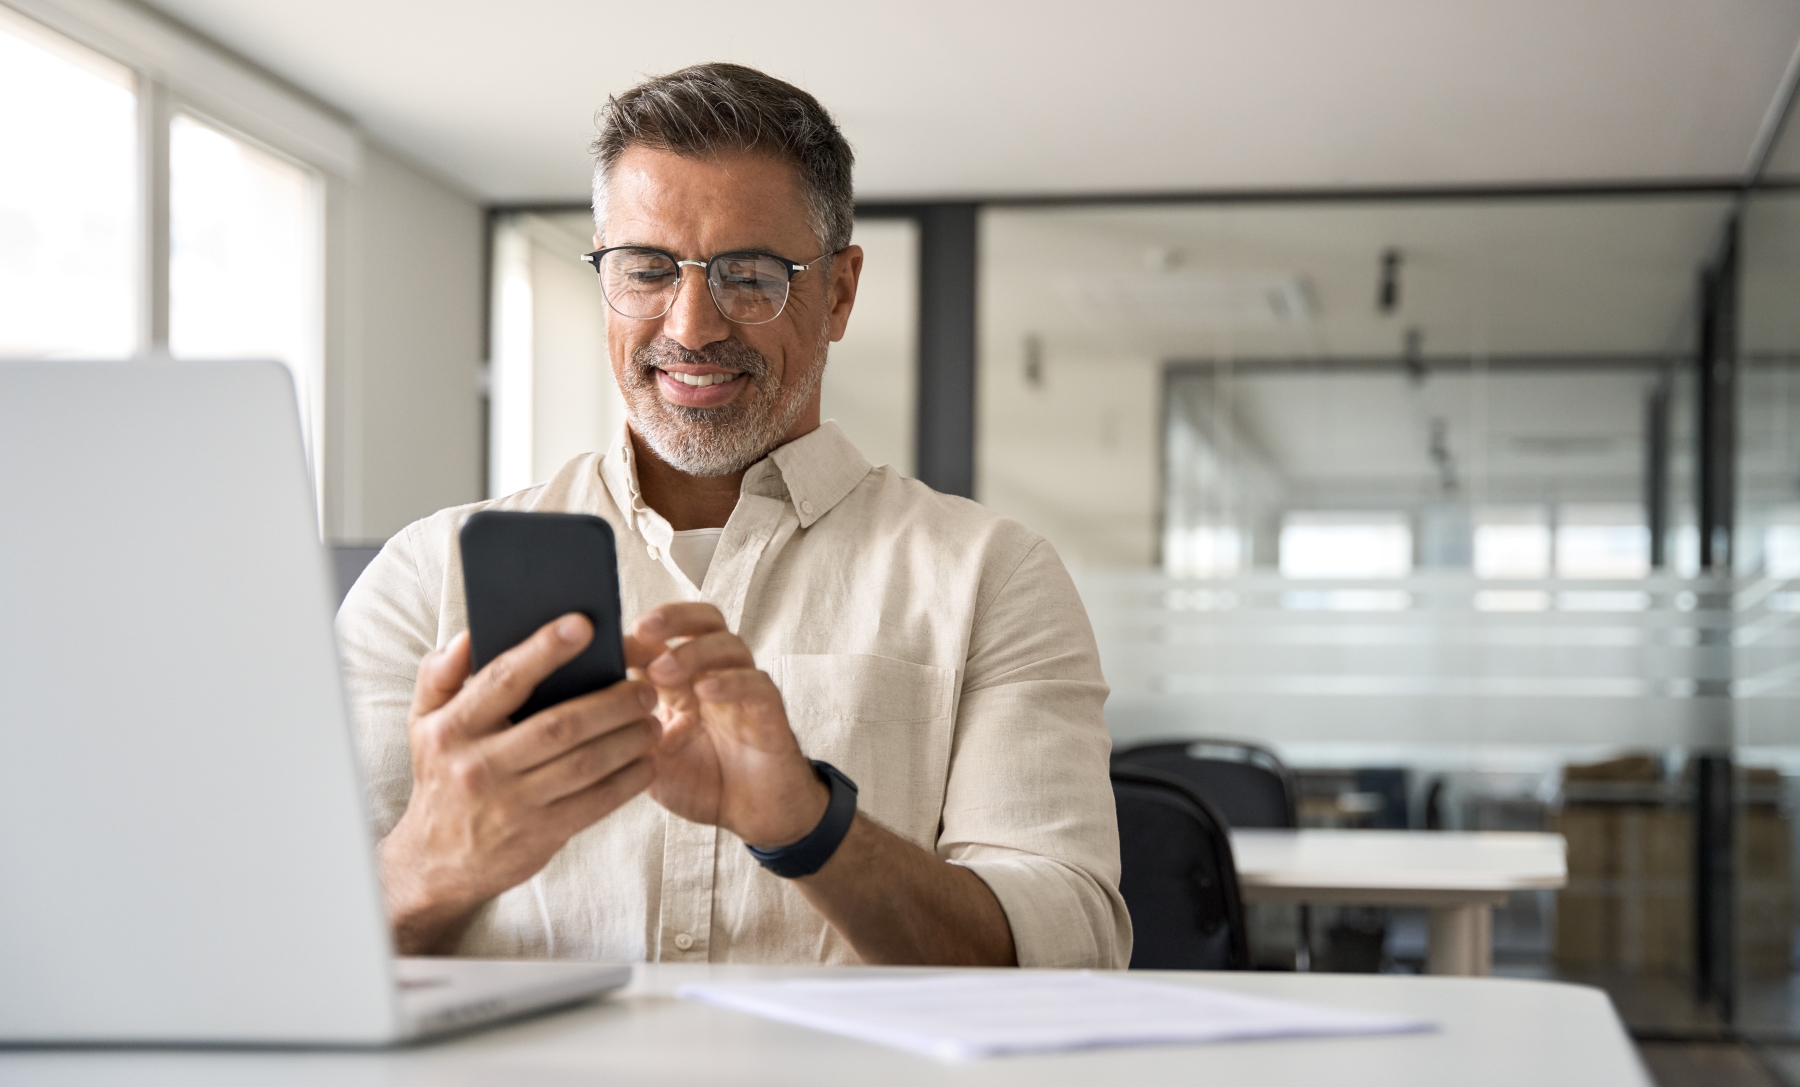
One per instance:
[(1495, 1032), (1461, 877)]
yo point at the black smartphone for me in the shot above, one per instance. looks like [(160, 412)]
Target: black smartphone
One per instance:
[(520, 571)]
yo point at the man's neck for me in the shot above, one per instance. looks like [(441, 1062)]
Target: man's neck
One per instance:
[(685, 501)]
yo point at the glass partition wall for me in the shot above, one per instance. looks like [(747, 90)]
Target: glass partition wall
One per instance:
[(1765, 645), (1412, 492)]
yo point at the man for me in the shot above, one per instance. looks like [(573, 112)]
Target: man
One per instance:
[(786, 602)]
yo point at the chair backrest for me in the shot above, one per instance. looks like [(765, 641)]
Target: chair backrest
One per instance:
[(348, 562), (1177, 877), (1249, 785)]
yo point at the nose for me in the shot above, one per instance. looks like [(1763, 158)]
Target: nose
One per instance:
[(694, 320)]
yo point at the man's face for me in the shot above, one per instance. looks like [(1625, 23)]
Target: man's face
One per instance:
[(765, 378)]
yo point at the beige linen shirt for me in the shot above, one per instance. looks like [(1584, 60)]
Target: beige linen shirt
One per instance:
[(933, 651)]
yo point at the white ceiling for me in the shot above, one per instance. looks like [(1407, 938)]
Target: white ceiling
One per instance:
[(955, 98), (1505, 277)]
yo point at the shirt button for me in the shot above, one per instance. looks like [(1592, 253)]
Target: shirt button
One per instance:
[(683, 941), (653, 553), (805, 506)]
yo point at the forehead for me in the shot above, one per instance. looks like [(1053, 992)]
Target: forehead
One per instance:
[(709, 203)]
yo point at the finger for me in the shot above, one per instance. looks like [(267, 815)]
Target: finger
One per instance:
[(708, 653), (738, 685), (590, 763), (554, 732), (504, 684), (688, 619), (638, 652), (746, 705), (441, 675), (578, 811)]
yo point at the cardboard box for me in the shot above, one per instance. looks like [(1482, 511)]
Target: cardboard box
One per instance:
[(1628, 907)]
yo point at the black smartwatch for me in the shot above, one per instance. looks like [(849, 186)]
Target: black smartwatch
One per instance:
[(810, 853)]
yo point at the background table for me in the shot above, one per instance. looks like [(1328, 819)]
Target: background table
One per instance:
[(1459, 876), (1497, 1032)]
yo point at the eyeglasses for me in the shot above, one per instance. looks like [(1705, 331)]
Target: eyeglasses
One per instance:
[(641, 283)]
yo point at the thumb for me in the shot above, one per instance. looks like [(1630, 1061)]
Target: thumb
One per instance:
[(441, 675)]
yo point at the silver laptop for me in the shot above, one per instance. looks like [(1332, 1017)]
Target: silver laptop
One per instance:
[(185, 855)]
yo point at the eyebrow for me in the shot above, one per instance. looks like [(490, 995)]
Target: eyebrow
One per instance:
[(751, 248)]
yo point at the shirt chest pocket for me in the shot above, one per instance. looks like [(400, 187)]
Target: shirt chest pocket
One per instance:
[(887, 723)]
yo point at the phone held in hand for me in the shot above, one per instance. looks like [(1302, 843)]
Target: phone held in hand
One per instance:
[(522, 570)]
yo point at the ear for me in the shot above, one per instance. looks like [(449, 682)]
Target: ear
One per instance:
[(846, 271)]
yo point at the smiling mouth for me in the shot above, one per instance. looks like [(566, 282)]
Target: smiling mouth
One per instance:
[(701, 381)]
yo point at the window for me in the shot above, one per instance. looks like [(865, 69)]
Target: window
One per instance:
[(1346, 545), (1512, 542), (1602, 541), (244, 275), (1781, 549), (69, 252), (1203, 551)]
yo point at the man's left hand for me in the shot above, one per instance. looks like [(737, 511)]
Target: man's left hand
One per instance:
[(727, 755)]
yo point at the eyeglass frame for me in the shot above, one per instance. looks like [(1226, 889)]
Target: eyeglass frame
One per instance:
[(794, 268)]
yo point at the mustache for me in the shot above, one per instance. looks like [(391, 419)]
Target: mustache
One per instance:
[(725, 354)]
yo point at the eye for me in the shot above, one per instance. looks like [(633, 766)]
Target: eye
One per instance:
[(748, 273), (640, 269)]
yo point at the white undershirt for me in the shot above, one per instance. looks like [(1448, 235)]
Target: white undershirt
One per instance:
[(693, 550)]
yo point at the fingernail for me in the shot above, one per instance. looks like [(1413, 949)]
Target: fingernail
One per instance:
[(647, 696), (663, 668), (568, 628)]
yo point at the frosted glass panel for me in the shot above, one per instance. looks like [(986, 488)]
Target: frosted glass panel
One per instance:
[(244, 241), (68, 207)]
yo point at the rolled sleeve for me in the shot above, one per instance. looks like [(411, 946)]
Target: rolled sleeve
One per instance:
[(1028, 803), (385, 627)]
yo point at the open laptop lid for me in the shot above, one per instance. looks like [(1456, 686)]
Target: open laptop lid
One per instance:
[(182, 839)]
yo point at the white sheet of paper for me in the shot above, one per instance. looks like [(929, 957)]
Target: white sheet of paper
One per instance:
[(963, 1016)]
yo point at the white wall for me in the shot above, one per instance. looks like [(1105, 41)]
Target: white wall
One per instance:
[(404, 317), (871, 379), (554, 393), (575, 401)]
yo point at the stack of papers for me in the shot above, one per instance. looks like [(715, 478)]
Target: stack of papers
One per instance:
[(964, 1016)]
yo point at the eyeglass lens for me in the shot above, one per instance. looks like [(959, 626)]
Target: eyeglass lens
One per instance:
[(642, 283)]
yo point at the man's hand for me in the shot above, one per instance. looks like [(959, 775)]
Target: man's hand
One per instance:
[(727, 756), (492, 802)]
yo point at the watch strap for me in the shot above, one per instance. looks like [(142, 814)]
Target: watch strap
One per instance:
[(810, 853)]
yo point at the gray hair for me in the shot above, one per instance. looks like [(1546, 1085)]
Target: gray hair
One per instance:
[(711, 109)]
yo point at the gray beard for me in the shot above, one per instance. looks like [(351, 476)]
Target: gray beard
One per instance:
[(718, 441)]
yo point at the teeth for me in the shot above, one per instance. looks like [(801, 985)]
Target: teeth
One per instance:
[(700, 380)]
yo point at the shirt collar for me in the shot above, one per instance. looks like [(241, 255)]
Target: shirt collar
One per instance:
[(619, 469), (814, 472), (820, 468)]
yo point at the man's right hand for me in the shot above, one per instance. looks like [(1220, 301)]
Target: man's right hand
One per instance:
[(492, 802)]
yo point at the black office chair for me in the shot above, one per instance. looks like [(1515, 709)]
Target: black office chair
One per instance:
[(1177, 877), (1248, 784)]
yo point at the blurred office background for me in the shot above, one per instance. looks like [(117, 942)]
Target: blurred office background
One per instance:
[(1413, 388)]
